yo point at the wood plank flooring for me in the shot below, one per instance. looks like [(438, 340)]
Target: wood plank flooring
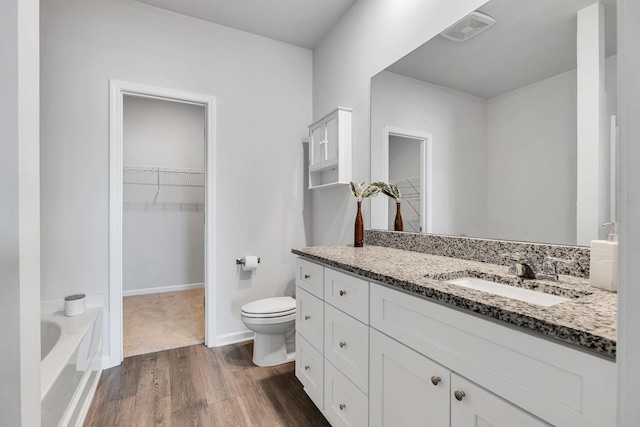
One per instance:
[(198, 386)]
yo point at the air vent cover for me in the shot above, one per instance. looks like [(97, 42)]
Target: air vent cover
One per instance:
[(468, 27)]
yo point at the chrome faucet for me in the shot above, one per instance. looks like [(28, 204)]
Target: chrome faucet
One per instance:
[(523, 267), (549, 268)]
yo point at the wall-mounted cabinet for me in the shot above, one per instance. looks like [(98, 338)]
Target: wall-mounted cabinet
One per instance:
[(330, 150)]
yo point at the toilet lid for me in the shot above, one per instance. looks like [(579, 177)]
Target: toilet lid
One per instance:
[(277, 305)]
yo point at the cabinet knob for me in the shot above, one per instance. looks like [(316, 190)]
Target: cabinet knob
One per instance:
[(343, 293), (342, 344), (459, 395), (307, 317), (435, 380), (307, 367), (306, 276), (342, 406)]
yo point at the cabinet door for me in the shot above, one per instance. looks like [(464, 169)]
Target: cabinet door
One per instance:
[(480, 407), (310, 370), (332, 141), (317, 142), (406, 388)]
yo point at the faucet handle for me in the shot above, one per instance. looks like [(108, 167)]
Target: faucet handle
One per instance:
[(549, 264), (515, 256)]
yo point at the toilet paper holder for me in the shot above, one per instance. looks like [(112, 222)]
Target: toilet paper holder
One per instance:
[(240, 261)]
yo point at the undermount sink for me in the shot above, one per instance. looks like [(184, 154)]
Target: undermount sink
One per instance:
[(513, 292)]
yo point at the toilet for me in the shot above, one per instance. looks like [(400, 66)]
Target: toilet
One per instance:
[(273, 321)]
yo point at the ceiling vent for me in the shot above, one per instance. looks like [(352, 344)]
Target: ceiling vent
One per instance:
[(468, 27)]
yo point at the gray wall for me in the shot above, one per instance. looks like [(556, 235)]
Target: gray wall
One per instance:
[(263, 96)]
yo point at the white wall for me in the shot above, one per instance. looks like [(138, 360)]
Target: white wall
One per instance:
[(457, 122), (163, 232), (531, 134), (628, 348), (19, 214), (372, 35), (263, 97)]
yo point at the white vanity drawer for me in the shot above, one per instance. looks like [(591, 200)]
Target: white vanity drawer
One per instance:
[(310, 318), (346, 346), (348, 293), (345, 405), (309, 276), (310, 370)]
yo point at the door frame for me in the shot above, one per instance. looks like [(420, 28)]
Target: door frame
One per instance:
[(426, 171), (118, 89)]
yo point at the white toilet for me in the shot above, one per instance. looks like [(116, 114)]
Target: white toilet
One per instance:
[(273, 320)]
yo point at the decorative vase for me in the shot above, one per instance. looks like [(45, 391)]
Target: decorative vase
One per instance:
[(397, 224), (358, 240)]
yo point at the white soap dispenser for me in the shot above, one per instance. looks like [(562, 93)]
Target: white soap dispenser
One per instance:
[(603, 268)]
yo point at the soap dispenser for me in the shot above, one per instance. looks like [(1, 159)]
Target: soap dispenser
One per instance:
[(603, 268)]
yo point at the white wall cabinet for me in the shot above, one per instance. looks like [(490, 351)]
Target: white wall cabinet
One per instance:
[(330, 149), (432, 365)]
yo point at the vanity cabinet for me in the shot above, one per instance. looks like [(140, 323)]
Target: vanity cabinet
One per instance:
[(330, 149), (383, 357), (407, 386)]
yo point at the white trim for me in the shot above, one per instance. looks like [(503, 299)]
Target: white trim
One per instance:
[(118, 89), (426, 173), (162, 289), (235, 337)]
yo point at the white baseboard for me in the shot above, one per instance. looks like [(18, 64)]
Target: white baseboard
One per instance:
[(161, 289), (233, 338)]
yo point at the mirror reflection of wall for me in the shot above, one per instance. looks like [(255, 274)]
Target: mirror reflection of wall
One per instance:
[(503, 112)]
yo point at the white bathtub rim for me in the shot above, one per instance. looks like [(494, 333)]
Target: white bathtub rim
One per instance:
[(73, 330)]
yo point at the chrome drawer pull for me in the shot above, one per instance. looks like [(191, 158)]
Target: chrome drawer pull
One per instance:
[(435, 380), (342, 406), (459, 395), (342, 344), (343, 293), (307, 317), (307, 276), (307, 367)]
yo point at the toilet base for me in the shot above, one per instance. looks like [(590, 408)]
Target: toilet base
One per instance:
[(271, 350)]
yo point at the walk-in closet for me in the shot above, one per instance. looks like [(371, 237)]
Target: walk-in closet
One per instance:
[(163, 224)]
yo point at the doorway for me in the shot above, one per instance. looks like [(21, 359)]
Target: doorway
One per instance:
[(163, 224), (156, 192), (407, 158)]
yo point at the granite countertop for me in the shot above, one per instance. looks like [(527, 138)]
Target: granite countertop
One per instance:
[(587, 320)]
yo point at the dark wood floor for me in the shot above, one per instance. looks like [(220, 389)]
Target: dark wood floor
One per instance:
[(198, 386)]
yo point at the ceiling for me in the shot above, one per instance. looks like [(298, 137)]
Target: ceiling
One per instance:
[(531, 41), (300, 22)]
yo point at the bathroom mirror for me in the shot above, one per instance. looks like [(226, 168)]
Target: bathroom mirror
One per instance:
[(484, 134)]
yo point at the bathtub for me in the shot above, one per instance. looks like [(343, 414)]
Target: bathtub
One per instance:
[(70, 367)]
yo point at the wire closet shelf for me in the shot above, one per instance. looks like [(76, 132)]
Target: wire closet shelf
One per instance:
[(163, 186)]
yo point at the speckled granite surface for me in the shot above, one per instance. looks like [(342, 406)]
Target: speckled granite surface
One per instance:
[(484, 250), (588, 320)]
